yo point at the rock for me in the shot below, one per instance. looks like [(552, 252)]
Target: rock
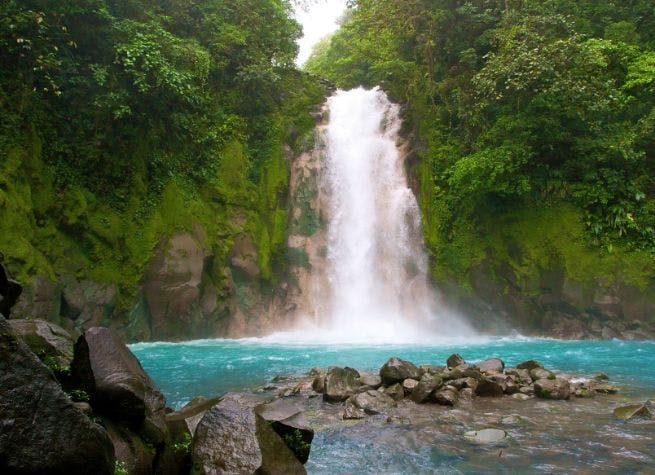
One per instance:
[(10, 290), (492, 365), (466, 394), (84, 408), (396, 371), (511, 420), (462, 383), (318, 384), (137, 456), (370, 380), (486, 436), (528, 390), (601, 377), (633, 411), (541, 373), (395, 391), (409, 385), (41, 430), (521, 397), (454, 360), (488, 388), (117, 384), (192, 412), (340, 384), (425, 387), (371, 402), (558, 388), (522, 376), (430, 368), (225, 440), (446, 397), (603, 388), (529, 365), (47, 340), (284, 438)]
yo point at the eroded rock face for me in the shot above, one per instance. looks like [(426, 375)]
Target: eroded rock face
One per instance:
[(42, 431), (119, 387), (396, 371)]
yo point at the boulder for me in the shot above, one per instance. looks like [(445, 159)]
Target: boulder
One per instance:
[(284, 438), (466, 394), (48, 341), (633, 411), (10, 290), (462, 383), (521, 376), (521, 397), (119, 387), (395, 391), (132, 451), (558, 388), (370, 402), (603, 388), (318, 383), (486, 436), (409, 385), (425, 387), (340, 384), (193, 412), (41, 430), (529, 365), (446, 397), (454, 360), (370, 381), (489, 388), (492, 365), (541, 373), (396, 371), (225, 440)]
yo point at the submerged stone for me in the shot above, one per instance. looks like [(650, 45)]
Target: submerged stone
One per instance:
[(633, 411), (486, 436)]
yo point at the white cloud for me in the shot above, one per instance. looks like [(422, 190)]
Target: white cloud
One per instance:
[(318, 20)]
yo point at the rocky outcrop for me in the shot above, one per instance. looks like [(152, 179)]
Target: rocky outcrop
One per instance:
[(42, 430), (117, 384)]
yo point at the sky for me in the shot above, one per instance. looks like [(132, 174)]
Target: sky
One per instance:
[(319, 20)]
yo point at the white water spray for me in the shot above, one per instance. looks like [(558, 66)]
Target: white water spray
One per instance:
[(376, 267)]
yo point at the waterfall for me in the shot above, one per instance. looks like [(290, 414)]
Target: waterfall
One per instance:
[(371, 283)]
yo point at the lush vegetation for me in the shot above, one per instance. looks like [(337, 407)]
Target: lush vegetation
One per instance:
[(518, 109), (122, 121)]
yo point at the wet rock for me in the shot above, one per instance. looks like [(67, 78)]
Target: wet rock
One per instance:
[(521, 397), (633, 411), (489, 388), (541, 373), (601, 377), (396, 371), (340, 384), (492, 365), (395, 391), (370, 381), (466, 394), (225, 440), (284, 437), (430, 368), (119, 387), (528, 390), (521, 376), (371, 402), (425, 387), (486, 436), (318, 384), (446, 397), (454, 360), (137, 456), (409, 385), (462, 383), (47, 340), (558, 388), (511, 420), (529, 365), (603, 388), (511, 387), (41, 430)]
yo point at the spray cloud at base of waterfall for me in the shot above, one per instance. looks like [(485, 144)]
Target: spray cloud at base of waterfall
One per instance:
[(373, 286)]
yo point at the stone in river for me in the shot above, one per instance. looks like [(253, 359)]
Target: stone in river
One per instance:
[(446, 397), (455, 360), (558, 388), (521, 397), (529, 365), (340, 384), (540, 373), (425, 387), (633, 411), (370, 381), (604, 388), (395, 392), (409, 385), (396, 371), (486, 436), (489, 388), (371, 402), (492, 365)]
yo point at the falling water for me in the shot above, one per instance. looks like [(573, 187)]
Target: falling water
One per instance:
[(376, 269)]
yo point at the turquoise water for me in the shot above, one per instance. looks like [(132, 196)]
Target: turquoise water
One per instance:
[(579, 436), (214, 367)]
